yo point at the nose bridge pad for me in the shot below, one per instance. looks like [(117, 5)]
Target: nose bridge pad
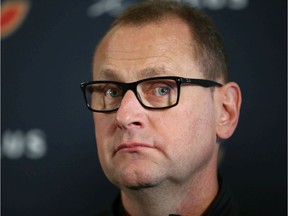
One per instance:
[(139, 96)]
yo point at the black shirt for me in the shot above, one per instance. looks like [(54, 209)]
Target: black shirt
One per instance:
[(222, 205)]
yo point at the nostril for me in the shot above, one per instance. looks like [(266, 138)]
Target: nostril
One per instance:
[(122, 125), (136, 123)]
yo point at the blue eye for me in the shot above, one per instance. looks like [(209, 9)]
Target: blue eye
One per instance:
[(112, 92), (162, 91)]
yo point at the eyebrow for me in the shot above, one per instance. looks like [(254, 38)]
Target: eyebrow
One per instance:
[(110, 74), (107, 74)]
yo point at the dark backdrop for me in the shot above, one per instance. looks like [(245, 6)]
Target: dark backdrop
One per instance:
[(49, 158)]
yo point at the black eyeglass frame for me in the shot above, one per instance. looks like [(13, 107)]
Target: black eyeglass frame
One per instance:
[(133, 87)]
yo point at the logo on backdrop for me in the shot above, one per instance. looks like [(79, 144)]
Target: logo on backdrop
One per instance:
[(114, 7), (18, 144), (13, 13)]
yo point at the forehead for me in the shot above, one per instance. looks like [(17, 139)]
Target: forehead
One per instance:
[(143, 50)]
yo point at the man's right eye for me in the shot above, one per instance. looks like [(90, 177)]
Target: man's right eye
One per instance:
[(112, 92)]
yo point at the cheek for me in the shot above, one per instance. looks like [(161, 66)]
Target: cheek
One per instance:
[(103, 130), (201, 123), (103, 125), (190, 129)]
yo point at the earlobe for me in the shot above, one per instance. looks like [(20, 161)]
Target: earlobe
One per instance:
[(229, 102)]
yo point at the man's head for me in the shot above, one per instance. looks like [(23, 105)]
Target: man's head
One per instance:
[(207, 44), (140, 147)]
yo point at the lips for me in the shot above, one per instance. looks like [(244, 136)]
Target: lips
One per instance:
[(132, 147)]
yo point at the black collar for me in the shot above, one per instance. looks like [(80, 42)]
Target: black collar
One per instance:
[(223, 204)]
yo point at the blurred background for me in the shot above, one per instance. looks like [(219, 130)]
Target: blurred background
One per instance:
[(49, 163)]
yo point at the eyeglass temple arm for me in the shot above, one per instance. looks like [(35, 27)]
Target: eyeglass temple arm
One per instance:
[(201, 82)]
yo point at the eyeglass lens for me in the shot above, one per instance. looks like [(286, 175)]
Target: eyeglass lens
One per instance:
[(157, 93)]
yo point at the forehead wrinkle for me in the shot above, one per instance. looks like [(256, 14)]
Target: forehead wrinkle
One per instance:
[(153, 72), (109, 74), (128, 58)]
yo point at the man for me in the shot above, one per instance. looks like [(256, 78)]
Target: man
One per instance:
[(162, 104)]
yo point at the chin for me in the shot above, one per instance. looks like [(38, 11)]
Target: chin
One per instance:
[(137, 180)]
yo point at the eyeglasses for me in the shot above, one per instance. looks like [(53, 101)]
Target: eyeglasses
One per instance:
[(152, 93)]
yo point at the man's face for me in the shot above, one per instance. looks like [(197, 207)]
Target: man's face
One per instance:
[(139, 147)]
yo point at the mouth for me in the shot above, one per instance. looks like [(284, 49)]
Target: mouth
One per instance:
[(132, 147)]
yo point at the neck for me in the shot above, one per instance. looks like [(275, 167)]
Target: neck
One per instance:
[(191, 198)]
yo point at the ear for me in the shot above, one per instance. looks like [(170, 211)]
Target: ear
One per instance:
[(229, 103)]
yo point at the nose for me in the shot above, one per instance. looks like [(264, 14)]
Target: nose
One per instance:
[(130, 114)]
